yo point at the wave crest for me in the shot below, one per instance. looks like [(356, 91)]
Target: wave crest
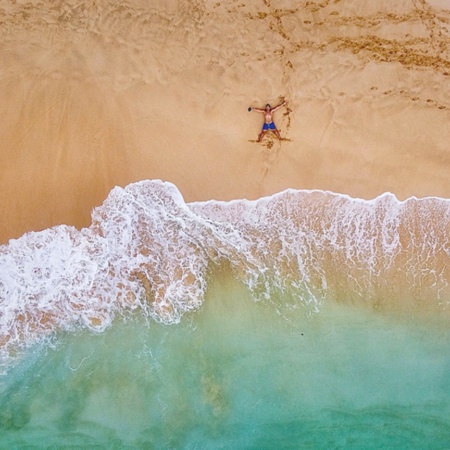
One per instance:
[(148, 249)]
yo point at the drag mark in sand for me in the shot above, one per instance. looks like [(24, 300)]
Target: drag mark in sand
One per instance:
[(386, 50), (410, 51)]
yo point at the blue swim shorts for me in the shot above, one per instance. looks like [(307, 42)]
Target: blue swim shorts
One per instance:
[(269, 126)]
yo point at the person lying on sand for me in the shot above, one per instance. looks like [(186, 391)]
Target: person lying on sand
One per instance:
[(268, 120)]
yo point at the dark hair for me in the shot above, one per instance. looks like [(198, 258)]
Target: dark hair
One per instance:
[(268, 105)]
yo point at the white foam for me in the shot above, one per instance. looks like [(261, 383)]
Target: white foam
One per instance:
[(147, 249)]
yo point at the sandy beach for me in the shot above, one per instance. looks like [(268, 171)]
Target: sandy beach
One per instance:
[(165, 310), (96, 94)]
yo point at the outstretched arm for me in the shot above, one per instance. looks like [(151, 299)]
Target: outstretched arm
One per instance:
[(278, 106), (255, 109)]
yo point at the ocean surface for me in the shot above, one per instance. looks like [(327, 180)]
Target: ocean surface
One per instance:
[(306, 319)]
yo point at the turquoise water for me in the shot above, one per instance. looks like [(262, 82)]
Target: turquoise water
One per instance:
[(237, 374)]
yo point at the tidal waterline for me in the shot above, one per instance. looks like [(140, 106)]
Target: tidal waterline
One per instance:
[(237, 374)]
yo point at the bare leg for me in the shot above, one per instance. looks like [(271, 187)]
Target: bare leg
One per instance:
[(261, 135), (277, 134)]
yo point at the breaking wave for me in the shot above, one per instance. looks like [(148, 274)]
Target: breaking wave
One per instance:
[(147, 249)]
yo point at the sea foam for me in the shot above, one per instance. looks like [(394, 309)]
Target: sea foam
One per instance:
[(148, 250)]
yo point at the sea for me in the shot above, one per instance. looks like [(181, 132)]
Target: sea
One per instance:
[(302, 320)]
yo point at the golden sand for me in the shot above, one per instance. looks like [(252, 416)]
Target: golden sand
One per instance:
[(98, 93)]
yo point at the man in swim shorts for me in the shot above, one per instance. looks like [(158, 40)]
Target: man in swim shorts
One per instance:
[(268, 120)]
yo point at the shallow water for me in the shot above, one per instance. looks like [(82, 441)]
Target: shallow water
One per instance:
[(302, 320), (237, 374)]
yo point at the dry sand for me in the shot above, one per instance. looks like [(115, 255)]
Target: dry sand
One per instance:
[(98, 93)]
